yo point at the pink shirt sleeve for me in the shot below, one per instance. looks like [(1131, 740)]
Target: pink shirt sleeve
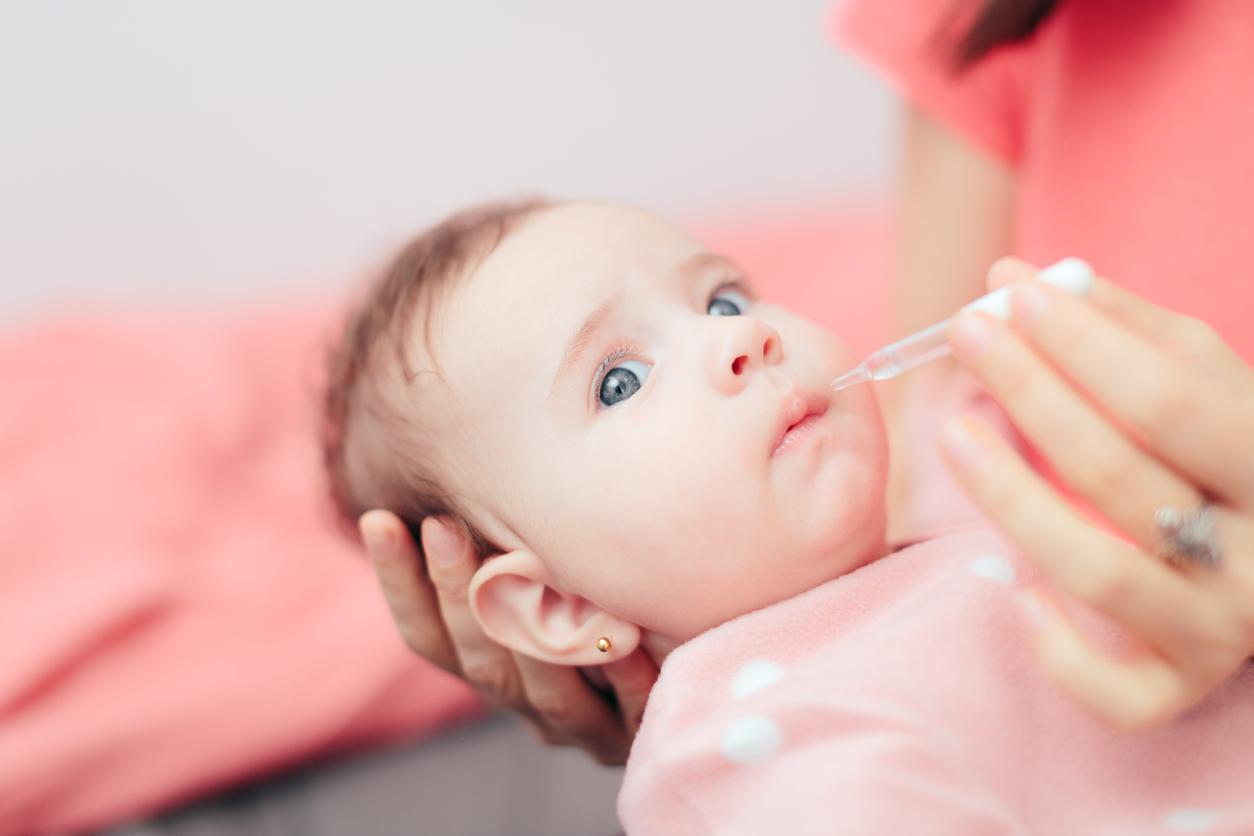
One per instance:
[(911, 43)]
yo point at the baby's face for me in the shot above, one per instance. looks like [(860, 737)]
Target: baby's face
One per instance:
[(616, 400)]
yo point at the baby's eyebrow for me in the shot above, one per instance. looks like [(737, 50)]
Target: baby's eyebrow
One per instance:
[(583, 338)]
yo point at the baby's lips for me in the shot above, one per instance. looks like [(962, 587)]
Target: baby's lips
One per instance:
[(795, 408)]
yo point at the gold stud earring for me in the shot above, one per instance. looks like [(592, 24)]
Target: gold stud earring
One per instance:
[(603, 644)]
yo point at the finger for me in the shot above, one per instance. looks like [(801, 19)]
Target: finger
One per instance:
[(451, 561), (409, 595), (570, 708), (1190, 339), (1141, 693), (1008, 270), (1086, 450), (632, 678), (1188, 420), (1159, 604)]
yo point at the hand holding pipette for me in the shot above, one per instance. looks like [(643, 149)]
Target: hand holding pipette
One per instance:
[(1127, 409), (1071, 274)]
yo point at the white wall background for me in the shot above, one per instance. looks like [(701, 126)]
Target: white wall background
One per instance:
[(156, 150)]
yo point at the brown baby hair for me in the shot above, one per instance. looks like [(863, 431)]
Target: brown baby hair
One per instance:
[(371, 444)]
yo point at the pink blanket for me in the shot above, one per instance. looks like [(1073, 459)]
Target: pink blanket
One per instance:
[(177, 614)]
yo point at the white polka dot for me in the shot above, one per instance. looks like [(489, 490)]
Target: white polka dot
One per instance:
[(751, 739), (995, 568), (755, 676), (1186, 820)]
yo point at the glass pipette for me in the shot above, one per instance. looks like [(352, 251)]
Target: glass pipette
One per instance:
[(1071, 274)]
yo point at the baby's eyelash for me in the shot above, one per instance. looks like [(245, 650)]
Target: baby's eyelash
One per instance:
[(617, 353), (731, 284)]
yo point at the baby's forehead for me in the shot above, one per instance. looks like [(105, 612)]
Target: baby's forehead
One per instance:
[(526, 299), (587, 247)]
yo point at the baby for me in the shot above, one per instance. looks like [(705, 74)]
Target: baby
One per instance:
[(651, 457)]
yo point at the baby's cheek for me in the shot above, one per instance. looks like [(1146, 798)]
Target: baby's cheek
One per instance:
[(816, 344), (835, 356)]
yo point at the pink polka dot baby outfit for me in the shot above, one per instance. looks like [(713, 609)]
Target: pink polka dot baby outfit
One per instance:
[(904, 698)]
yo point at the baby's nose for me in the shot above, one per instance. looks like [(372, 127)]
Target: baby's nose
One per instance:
[(749, 344)]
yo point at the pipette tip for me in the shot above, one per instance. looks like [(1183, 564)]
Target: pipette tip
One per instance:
[(851, 378)]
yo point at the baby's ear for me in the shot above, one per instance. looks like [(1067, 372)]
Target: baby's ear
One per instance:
[(514, 600)]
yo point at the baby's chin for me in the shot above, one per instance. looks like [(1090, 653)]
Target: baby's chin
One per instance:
[(846, 542), (842, 504)]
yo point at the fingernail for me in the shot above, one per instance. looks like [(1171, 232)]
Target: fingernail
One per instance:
[(1028, 303), (1008, 268), (971, 334), (378, 537), (960, 442), (1074, 275)]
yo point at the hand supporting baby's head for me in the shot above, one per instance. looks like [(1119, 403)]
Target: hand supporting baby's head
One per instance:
[(601, 402)]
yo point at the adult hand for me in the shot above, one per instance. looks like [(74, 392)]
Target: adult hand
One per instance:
[(1135, 408), (432, 611)]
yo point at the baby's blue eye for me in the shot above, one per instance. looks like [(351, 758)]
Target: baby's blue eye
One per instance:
[(727, 302), (622, 381)]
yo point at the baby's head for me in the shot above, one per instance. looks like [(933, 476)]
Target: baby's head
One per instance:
[(600, 401)]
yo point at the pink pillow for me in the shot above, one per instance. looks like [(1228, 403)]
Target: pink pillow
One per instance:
[(179, 615)]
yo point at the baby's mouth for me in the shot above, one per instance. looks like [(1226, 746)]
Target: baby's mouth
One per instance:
[(798, 418)]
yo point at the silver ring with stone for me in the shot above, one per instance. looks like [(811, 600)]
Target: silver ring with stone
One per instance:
[(1188, 537)]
